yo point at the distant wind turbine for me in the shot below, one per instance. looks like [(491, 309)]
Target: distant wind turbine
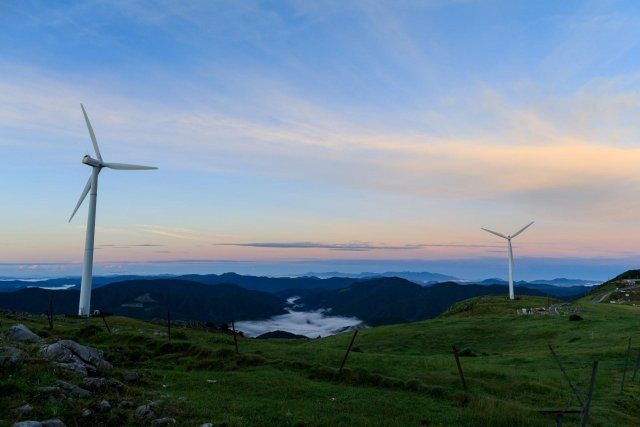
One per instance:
[(511, 294), (92, 185)]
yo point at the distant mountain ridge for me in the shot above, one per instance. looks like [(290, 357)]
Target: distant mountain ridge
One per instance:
[(148, 299), (390, 300), (418, 277)]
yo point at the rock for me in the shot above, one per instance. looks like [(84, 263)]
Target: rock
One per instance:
[(76, 357), (99, 383), (23, 410), (145, 411), (74, 389), (21, 333), (77, 367), (11, 356), (95, 383), (125, 404), (48, 390), (27, 424), (53, 423), (163, 421), (86, 412), (131, 377), (105, 406), (206, 425)]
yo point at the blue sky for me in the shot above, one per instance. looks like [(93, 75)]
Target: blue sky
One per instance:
[(293, 135)]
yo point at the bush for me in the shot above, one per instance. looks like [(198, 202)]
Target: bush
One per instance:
[(575, 317)]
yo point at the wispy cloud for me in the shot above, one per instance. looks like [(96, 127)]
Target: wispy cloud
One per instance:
[(355, 246)]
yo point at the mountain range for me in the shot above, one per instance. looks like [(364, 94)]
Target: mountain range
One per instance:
[(221, 298)]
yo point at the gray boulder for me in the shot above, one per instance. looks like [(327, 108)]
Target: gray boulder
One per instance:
[(105, 406), (77, 367), (27, 424), (21, 333), (53, 423), (94, 383), (75, 357), (74, 390), (48, 390), (145, 411), (131, 377), (23, 410), (11, 356), (125, 404), (163, 421)]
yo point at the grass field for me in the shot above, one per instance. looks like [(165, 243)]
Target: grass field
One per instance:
[(402, 375)]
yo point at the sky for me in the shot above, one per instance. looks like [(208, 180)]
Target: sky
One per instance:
[(296, 136)]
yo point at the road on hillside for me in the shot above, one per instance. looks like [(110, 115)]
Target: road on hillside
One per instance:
[(553, 310), (601, 297)]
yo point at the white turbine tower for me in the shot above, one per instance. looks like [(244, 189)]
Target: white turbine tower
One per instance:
[(92, 185), (511, 294)]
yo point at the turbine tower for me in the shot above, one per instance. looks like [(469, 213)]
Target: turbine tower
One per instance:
[(511, 294), (92, 187)]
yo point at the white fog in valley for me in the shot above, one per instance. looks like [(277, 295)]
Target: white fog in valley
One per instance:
[(308, 323)]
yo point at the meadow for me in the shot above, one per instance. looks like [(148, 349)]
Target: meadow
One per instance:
[(398, 375)]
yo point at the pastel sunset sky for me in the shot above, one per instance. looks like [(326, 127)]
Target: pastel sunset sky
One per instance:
[(296, 136)]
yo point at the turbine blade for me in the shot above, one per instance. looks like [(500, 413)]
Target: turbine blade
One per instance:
[(93, 136), (495, 232), (127, 167), (82, 197), (522, 229)]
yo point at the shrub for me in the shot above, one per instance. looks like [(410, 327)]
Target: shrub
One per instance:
[(575, 317)]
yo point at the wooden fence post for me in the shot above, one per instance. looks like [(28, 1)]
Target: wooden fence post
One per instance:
[(587, 405), (635, 368), (169, 325), (344, 360), (235, 338), (50, 314), (459, 366), (626, 363), (105, 322), (566, 377)]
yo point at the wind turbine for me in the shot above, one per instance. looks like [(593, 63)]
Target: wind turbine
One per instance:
[(511, 295), (92, 185)]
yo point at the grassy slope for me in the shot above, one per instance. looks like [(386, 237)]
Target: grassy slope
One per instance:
[(397, 375)]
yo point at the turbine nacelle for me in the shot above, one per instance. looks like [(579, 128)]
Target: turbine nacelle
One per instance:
[(88, 160)]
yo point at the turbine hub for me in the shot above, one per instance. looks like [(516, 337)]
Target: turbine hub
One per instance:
[(88, 160)]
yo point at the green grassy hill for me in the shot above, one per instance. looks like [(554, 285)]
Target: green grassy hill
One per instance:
[(400, 375)]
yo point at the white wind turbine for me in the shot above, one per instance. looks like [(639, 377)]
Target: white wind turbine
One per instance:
[(511, 294), (92, 185)]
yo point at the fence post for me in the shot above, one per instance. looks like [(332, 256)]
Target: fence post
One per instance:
[(459, 366), (50, 314), (566, 377), (344, 360), (635, 368), (169, 325), (105, 322), (235, 338), (587, 405), (626, 363)]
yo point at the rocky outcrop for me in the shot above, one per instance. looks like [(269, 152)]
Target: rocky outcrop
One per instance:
[(94, 383), (47, 423), (11, 356), (21, 333), (74, 390), (75, 357)]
